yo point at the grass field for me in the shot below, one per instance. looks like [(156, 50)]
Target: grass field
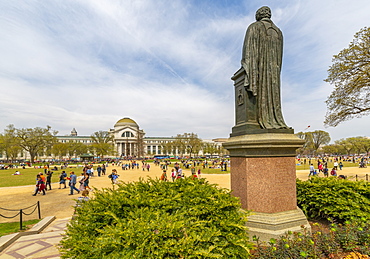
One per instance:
[(28, 176), (13, 227)]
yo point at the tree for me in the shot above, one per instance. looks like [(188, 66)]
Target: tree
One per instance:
[(346, 145), (140, 143), (9, 143), (102, 143), (318, 138), (60, 149), (189, 143), (350, 75), (332, 149), (76, 149), (313, 140), (365, 143), (36, 140), (356, 144), (210, 148), (307, 141)]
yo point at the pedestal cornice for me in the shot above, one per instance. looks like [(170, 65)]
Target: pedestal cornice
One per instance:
[(263, 145)]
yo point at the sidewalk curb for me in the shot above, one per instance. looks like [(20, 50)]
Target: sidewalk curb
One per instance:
[(7, 240)]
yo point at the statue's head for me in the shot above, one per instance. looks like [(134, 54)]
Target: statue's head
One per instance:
[(263, 12)]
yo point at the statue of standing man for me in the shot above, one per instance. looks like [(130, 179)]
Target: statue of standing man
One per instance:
[(262, 60)]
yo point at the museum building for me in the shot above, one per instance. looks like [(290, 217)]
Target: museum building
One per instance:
[(128, 139)]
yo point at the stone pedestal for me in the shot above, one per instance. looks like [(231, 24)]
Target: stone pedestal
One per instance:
[(263, 176)]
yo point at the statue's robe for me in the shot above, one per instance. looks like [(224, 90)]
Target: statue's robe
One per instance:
[(261, 60)]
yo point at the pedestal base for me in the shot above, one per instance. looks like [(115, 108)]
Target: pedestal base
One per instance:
[(263, 176), (273, 225)]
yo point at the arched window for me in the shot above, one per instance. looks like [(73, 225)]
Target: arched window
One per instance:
[(127, 134)]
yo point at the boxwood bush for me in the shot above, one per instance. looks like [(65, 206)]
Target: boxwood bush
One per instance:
[(188, 218), (334, 198)]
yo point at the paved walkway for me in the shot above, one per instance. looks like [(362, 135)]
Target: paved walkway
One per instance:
[(38, 246)]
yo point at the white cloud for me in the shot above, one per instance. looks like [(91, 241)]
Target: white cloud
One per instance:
[(167, 65)]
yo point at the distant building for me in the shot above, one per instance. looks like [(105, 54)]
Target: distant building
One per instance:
[(130, 140)]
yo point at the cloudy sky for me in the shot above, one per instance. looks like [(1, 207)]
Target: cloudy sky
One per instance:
[(165, 64)]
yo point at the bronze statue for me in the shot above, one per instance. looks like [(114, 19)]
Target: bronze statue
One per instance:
[(262, 60)]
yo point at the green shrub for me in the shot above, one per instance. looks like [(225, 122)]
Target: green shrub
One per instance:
[(334, 198), (155, 219)]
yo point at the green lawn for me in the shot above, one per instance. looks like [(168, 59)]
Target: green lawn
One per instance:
[(13, 227), (28, 176), (330, 165)]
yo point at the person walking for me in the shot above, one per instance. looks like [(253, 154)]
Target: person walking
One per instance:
[(164, 176), (85, 180), (103, 169), (326, 172), (173, 174), (40, 186), (62, 180), (72, 183), (49, 174), (340, 165), (312, 170), (99, 170), (336, 165)]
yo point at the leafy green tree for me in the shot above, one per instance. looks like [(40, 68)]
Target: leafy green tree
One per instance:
[(60, 149), (346, 145), (9, 143), (356, 144), (102, 143), (333, 149), (365, 144), (318, 138), (313, 140), (350, 75), (210, 148), (189, 143), (76, 149), (36, 140)]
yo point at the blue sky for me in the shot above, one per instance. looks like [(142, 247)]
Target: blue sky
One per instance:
[(165, 64)]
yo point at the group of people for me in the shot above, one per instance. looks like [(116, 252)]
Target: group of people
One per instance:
[(324, 169), (177, 173), (43, 183)]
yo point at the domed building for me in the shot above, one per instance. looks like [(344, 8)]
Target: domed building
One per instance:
[(128, 137), (130, 141)]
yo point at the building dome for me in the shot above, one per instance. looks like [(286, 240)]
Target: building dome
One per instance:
[(126, 122), (73, 132)]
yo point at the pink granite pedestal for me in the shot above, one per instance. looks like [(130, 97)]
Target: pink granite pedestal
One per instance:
[(263, 176)]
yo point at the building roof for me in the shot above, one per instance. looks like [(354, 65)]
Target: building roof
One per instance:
[(126, 122)]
